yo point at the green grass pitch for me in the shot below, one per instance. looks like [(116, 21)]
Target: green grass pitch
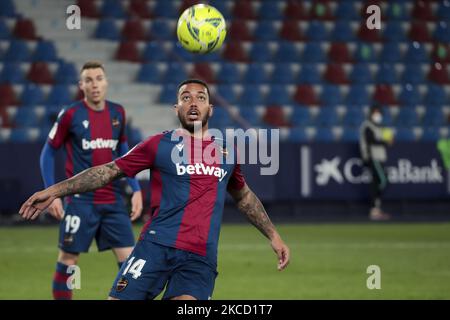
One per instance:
[(328, 261)]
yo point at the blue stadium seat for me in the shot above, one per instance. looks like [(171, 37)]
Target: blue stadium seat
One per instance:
[(154, 51), (413, 73), (342, 32), (265, 31), (251, 115), (313, 52), (407, 117), (404, 134), (350, 135), (66, 73), (431, 134), (5, 33), (179, 52), (346, 11), (435, 96), (433, 117), (45, 51), (282, 73), (165, 9), (416, 53), (443, 11), (161, 30), (226, 91), (386, 74), (149, 73), (309, 74), (229, 73), (168, 94), (324, 135), (442, 32), (298, 135), (107, 29), (251, 96), (331, 95), (222, 6), (360, 73), (25, 117), (287, 52), (390, 52), (32, 95), (255, 74), (316, 31), (353, 117), (365, 52), (7, 9), (175, 73), (12, 73), (410, 95), (394, 32), (60, 95), (260, 52), (21, 135), (221, 118), (397, 11), (327, 117), (17, 51), (301, 116), (357, 95), (270, 10), (278, 95), (113, 8), (388, 120)]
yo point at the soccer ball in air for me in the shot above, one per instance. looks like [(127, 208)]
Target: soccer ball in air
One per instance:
[(201, 29)]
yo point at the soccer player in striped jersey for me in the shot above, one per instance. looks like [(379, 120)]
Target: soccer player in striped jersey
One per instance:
[(177, 249), (92, 133)]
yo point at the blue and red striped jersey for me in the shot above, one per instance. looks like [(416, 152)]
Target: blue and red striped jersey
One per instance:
[(90, 138), (187, 197)]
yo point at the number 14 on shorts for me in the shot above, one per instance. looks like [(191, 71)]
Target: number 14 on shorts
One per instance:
[(134, 267)]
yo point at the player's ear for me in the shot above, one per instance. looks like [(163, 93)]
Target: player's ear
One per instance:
[(211, 110), (175, 109)]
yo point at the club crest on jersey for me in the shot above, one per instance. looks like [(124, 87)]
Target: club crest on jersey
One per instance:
[(85, 124), (121, 284), (115, 122), (201, 169)]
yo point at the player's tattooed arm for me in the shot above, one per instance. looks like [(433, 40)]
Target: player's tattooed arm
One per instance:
[(89, 180), (249, 204)]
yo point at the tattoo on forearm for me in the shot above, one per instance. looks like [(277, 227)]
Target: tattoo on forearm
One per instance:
[(252, 207), (89, 180)]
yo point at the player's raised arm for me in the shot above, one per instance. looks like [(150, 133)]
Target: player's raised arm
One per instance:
[(249, 204), (88, 180)]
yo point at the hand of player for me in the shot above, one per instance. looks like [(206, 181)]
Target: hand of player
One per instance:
[(282, 251), (36, 204), (136, 205), (56, 209)]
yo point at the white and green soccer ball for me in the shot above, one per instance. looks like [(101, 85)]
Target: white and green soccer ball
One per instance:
[(201, 29)]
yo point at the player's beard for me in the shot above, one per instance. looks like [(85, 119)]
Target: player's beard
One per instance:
[(190, 126)]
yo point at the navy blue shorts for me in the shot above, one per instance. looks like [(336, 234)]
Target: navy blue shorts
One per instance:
[(109, 224), (151, 267)]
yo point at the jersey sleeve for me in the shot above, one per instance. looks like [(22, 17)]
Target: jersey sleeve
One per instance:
[(139, 158), (61, 129), (237, 180)]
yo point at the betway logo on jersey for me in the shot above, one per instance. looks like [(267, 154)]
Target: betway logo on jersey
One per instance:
[(200, 168), (99, 143)]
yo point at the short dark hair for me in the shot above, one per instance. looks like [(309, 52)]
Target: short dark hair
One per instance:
[(198, 81), (94, 64), (374, 108)]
